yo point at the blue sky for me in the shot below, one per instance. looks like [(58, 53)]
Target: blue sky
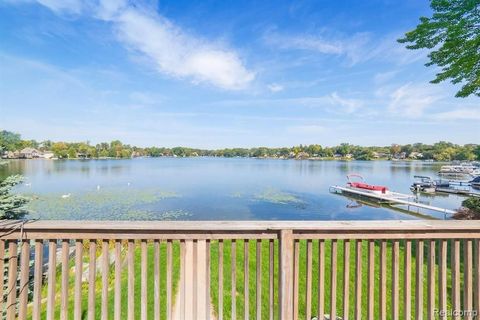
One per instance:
[(215, 74)]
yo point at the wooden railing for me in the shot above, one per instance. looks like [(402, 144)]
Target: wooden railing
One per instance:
[(232, 270)]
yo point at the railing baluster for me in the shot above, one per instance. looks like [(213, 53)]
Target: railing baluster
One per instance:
[(407, 291), (346, 279), (431, 281), (258, 280), (468, 279), (295, 279), (195, 280), (246, 310), (271, 273), (169, 279), (308, 280), (12, 278), (456, 279), (383, 280), (2, 275), (37, 279), (131, 280), (476, 291), (233, 276), (208, 280), (220, 279), (78, 280), (156, 280), (442, 283), (371, 280), (188, 267), (105, 271), (182, 280), (358, 279), (395, 279), (333, 280), (419, 281), (52, 268), (65, 277), (24, 273), (92, 273), (117, 313), (321, 279), (143, 280)]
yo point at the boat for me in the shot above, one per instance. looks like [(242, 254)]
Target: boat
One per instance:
[(428, 185), (362, 186), (475, 183), (457, 170), (423, 184)]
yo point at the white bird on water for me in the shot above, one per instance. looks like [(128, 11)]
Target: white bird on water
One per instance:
[(98, 187), (128, 184), (28, 184), (65, 196)]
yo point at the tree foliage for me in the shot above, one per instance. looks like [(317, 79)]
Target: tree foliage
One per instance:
[(440, 151), (452, 35), (11, 205)]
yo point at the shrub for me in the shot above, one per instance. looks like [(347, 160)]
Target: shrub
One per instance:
[(11, 205), (470, 210)]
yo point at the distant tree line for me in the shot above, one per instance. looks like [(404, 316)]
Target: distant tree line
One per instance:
[(440, 151)]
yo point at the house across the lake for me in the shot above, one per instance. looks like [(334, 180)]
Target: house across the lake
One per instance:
[(29, 153)]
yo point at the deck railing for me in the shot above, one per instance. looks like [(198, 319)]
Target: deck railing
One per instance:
[(240, 269)]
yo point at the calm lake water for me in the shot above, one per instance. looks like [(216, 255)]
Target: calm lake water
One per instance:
[(211, 188)]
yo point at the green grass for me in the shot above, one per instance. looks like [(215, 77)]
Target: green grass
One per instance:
[(265, 280)]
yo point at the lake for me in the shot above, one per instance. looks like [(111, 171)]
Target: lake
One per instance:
[(211, 188)]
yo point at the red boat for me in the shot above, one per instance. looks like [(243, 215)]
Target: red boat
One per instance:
[(364, 186)]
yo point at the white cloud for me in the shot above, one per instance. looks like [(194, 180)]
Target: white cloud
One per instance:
[(411, 100), (383, 77), (167, 47), (349, 105), (63, 6), (304, 42), (357, 48), (275, 87), (459, 114), (57, 6)]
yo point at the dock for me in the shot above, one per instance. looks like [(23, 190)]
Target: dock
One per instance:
[(391, 198), (460, 192)]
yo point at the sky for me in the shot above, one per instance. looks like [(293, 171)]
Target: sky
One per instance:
[(214, 74)]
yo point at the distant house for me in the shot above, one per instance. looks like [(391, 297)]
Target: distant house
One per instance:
[(47, 155), (415, 155), (29, 153), (377, 155)]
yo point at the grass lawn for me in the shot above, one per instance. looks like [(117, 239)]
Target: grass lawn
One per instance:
[(252, 280)]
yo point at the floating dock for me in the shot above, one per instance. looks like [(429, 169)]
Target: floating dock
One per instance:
[(391, 198), (460, 192)]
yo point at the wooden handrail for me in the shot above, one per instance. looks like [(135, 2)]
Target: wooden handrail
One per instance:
[(298, 255)]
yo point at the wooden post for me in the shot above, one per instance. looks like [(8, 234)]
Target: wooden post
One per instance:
[(286, 274)]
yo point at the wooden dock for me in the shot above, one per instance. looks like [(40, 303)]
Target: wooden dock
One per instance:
[(391, 198)]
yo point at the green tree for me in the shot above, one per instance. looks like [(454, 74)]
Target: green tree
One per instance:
[(452, 35), (11, 205), (9, 141), (60, 150), (72, 154)]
